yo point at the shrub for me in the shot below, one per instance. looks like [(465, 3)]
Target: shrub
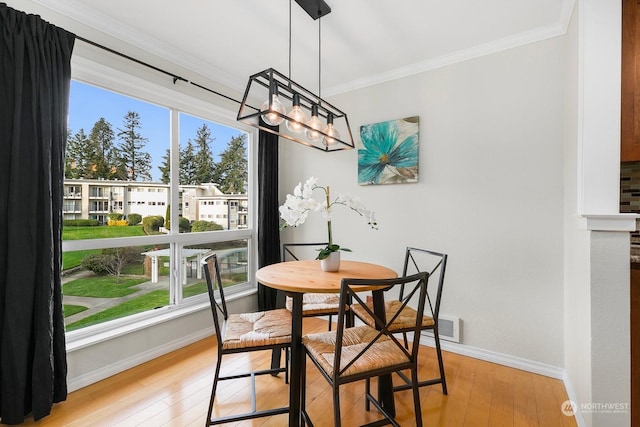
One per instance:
[(198, 226), (160, 220), (110, 261), (80, 222), (113, 216), (95, 263), (152, 223), (134, 219), (184, 225)]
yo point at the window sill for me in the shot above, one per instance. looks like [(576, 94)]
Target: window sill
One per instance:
[(92, 335)]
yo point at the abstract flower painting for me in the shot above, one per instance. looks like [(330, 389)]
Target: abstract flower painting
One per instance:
[(389, 152)]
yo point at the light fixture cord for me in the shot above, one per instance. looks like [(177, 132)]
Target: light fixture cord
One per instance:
[(319, 57), (290, 39)]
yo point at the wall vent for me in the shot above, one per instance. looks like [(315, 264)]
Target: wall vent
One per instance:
[(448, 327)]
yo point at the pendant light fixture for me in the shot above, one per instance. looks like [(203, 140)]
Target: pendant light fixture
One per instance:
[(309, 119)]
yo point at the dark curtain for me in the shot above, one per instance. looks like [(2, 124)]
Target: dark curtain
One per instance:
[(35, 75), (268, 214)]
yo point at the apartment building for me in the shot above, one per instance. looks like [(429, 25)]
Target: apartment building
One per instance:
[(96, 198)]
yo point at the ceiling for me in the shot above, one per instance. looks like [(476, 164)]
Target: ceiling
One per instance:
[(363, 42)]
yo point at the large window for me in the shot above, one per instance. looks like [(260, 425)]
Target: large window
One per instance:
[(143, 204)]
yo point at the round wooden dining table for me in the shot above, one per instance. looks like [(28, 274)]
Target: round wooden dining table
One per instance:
[(298, 277)]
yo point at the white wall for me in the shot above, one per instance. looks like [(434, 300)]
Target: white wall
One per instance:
[(490, 192)]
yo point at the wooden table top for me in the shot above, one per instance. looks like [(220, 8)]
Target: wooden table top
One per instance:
[(307, 276)]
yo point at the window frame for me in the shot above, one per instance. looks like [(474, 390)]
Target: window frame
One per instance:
[(177, 101)]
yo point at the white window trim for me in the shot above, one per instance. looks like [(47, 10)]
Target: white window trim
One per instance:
[(105, 77)]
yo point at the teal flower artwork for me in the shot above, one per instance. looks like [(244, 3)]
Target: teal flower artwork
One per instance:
[(389, 152)]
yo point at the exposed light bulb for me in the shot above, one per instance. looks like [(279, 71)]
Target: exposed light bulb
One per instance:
[(297, 116), (332, 133), (272, 118), (315, 124)]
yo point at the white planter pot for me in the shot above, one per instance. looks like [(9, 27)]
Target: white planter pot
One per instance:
[(331, 263)]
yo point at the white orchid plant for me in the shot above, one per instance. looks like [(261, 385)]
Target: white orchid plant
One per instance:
[(300, 204)]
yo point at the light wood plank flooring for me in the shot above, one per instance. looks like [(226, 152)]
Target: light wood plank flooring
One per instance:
[(174, 390)]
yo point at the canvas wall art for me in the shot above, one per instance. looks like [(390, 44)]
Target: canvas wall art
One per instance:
[(388, 152)]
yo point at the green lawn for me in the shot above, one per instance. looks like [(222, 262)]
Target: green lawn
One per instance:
[(73, 259), (149, 301), (195, 289), (100, 232), (101, 286), (70, 310), (154, 299)]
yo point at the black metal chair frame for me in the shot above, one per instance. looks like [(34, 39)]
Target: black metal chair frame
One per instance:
[(349, 292), (441, 265), (434, 309), (220, 309)]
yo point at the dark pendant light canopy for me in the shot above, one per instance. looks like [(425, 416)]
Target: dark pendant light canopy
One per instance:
[(309, 119)]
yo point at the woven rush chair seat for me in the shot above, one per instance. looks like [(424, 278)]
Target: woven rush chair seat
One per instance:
[(257, 329), (317, 304), (382, 354), (405, 321)]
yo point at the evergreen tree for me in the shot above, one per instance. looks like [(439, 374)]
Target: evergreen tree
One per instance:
[(118, 168), (136, 162), (99, 151), (203, 160), (232, 168), (76, 155), (187, 165), (165, 167)]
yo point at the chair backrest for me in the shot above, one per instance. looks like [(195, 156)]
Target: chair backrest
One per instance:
[(211, 270), (435, 264), (415, 287), (298, 251)]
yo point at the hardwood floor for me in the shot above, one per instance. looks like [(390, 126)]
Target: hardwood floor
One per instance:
[(174, 390)]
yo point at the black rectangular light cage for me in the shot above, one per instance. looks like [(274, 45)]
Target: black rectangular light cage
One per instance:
[(259, 87)]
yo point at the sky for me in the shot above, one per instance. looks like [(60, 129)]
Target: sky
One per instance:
[(87, 104)]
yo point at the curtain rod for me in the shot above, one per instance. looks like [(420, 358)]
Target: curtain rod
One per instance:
[(175, 77)]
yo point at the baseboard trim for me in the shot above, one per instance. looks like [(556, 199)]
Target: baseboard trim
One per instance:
[(499, 358), (94, 376)]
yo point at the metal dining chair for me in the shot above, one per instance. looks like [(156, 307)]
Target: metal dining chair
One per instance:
[(241, 333), (416, 260), (357, 353)]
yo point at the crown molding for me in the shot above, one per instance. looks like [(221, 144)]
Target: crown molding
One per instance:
[(481, 50)]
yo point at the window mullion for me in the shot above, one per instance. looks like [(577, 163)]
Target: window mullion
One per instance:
[(176, 266)]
